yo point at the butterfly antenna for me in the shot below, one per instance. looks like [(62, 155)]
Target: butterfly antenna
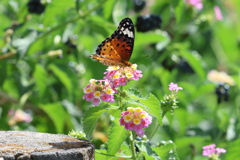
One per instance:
[(141, 58)]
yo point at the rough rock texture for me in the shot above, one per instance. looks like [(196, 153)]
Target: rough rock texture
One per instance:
[(24, 145)]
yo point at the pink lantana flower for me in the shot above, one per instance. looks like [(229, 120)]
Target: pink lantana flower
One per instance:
[(96, 101), (135, 119), (211, 151), (196, 3), (104, 90), (174, 87), (120, 76), (99, 90), (218, 13)]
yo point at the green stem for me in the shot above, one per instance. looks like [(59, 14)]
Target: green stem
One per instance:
[(132, 145), (120, 98), (163, 114), (67, 22)]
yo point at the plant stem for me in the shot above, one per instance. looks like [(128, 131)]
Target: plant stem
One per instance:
[(163, 114), (132, 145), (120, 98)]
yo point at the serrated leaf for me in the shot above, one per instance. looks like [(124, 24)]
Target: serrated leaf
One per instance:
[(167, 151), (147, 151), (90, 119), (153, 106), (117, 136), (134, 92), (40, 76)]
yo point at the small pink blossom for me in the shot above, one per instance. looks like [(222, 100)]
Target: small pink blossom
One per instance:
[(137, 74), (122, 81), (88, 96), (211, 151), (96, 101), (173, 86), (218, 13), (18, 116), (104, 97), (220, 150), (116, 83)]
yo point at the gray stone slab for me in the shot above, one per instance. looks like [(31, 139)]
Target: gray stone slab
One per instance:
[(25, 145)]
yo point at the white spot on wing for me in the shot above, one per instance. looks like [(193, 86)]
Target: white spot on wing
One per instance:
[(128, 33)]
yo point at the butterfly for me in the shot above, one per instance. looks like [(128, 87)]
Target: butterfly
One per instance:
[(117, 49)]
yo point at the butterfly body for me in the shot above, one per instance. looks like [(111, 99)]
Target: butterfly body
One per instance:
[(117, 49)]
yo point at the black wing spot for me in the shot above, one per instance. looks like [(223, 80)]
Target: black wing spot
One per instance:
[(117, 44)]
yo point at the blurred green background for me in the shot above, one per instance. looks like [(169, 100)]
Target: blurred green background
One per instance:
[(44, 66)]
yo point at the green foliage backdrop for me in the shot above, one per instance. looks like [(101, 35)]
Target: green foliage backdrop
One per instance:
[(44, 66)]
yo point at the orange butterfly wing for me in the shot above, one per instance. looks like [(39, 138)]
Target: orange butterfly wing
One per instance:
[(117, 49)]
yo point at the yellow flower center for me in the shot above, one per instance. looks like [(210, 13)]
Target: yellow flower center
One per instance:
[(127, 118), (136, 121)]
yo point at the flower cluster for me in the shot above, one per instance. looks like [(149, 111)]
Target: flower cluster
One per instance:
[(135, 119), (99, 90), (104, 90), (120, 76), (212, 152)]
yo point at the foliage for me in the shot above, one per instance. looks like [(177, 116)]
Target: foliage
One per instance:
[(44, 66)]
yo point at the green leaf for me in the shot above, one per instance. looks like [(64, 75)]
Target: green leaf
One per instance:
[(134, 92), (233, 150), (58, 117), (154, 107), (147, 151), (195, 62), (108, 9), (179, 11), (22, 44), (55, 9), (90, 119), (224, 44), (167, 152), (175, 3), (101, 154), (40, 76), (117, 136), (151, 104), (63, 77), (150, 37)]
